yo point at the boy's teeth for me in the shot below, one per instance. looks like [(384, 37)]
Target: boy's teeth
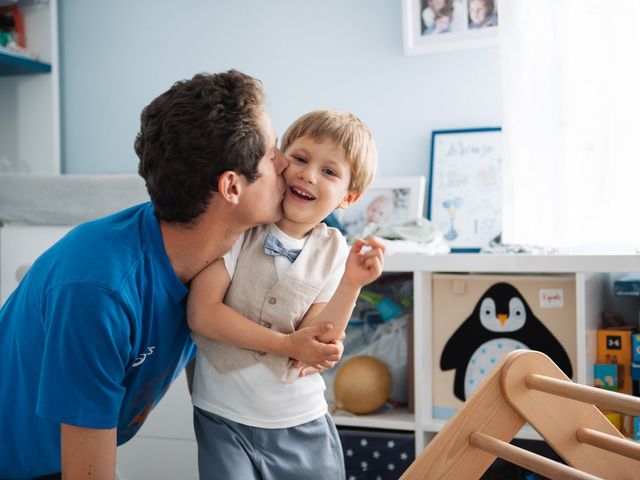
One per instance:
[(303, 194)]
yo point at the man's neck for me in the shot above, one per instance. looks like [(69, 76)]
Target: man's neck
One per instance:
[(191, 249)]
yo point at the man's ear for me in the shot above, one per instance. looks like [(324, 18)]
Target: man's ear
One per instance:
[(230, 187), (348, 199)]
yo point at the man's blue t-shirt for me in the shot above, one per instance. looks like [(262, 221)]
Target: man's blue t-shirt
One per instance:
[(93, 336)]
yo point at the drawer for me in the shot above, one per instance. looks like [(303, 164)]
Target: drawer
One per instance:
[(478, 319), (20, 246), (370, 453)]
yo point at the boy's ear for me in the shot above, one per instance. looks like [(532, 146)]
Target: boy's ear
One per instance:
[(348, 199), (230, 187)]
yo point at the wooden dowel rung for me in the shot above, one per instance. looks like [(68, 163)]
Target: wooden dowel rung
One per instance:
[(605, 399), (525, 459), (608, 442)]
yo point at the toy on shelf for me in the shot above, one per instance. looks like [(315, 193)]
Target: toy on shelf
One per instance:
[(605, 375), (614, 347), (12, 33), (386, 307), (635, 362), (389, 297), (362, 385)]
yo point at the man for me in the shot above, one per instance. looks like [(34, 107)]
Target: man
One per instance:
[(95, 333)]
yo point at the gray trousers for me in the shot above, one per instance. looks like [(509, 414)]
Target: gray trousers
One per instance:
[(229, 450)]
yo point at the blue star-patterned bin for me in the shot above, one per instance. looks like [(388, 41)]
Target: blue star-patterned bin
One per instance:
[(376, 454)]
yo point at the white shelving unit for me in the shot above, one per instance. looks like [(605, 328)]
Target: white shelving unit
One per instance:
[(398, 419), (591, 279), (30, 97)]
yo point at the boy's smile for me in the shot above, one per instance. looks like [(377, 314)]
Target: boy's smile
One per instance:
[(317, 182), (302, 193)]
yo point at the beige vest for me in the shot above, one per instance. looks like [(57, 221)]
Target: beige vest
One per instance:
[(256, 293)]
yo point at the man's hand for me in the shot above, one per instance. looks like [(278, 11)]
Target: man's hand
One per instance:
[(365, 260), (303, 346)]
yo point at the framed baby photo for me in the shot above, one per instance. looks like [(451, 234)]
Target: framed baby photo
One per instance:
[(388, 201), (465, 187), (443, 25)]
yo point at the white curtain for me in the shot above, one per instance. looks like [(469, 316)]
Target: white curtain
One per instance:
[(571, 121)]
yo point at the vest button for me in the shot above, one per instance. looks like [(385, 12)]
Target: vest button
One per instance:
[(272, 300), (267, 324)]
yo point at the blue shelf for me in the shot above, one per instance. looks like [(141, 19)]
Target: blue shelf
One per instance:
[(12, 64)]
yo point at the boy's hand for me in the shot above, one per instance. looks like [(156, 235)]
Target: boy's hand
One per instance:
[(307, 370), (364, 265), (302, 345)]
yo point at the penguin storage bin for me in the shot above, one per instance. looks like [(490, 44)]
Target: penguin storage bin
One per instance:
[(478, 319)]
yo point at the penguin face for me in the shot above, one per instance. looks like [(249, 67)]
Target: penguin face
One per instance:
[(496, 321)]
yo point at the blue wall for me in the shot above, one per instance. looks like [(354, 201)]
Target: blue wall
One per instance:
[(117, 55)]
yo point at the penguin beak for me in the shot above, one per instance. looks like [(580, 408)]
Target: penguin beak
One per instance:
[(503, 318)]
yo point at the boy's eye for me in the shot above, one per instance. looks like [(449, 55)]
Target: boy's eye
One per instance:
[(300, 159), (328, 171)]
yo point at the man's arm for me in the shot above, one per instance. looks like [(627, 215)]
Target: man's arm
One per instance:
[(361, 269), (87, 453), (209, 317), (74, 384)]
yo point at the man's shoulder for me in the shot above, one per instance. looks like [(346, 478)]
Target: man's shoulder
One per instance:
[(100, 251), (120, 233)]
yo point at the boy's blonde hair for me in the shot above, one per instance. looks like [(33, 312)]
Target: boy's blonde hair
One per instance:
[(343, 129)]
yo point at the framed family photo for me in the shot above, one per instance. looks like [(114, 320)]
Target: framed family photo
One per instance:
[(388, 201), (465, 187), (441, 25)]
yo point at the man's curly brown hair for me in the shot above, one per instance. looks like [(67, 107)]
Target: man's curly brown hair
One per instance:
[(194, 132)]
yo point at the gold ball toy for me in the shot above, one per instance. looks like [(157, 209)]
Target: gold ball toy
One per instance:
[(362, 384)]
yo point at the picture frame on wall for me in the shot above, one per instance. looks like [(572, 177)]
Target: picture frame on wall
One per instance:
[(387, 201), (443, 25), (465, 186)]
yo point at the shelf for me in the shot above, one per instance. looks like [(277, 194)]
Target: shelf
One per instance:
[(526, 432), (22, 3), (516, 263), (396, 419), (14, 64)]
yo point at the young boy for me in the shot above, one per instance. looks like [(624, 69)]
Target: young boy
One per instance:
[(254, 415)]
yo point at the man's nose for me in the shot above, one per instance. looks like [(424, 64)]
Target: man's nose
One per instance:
[(283, 162)]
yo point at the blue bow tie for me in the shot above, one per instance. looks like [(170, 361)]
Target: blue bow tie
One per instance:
[(273, 246)]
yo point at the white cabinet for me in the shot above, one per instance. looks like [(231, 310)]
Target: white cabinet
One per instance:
[(20, 245), (29, 99)]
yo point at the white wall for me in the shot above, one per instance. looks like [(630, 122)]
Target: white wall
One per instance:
[(116, 56)]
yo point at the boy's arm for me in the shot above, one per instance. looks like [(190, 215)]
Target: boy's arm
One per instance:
[(361, 269), (209, 317)]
